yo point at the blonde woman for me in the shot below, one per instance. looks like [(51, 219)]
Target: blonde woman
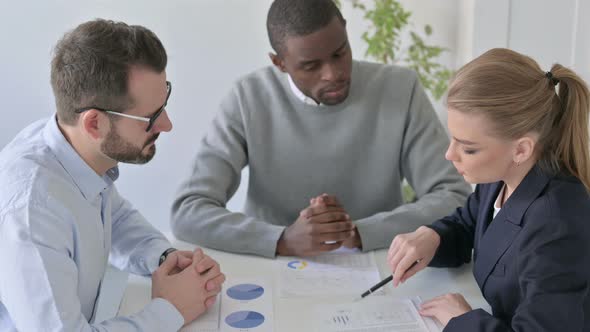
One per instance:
[(521, 135)]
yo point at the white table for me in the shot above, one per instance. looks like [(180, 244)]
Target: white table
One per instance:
[(288, 311)]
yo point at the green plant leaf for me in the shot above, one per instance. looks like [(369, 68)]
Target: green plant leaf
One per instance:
[(388, 20)]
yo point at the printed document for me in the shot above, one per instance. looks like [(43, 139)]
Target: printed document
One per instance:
[(327, 275), (373, 314)]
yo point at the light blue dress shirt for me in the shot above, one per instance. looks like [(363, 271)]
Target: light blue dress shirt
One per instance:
[(59, 221)]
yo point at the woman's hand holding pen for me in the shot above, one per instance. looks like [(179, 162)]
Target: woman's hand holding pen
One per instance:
[(406, 249)]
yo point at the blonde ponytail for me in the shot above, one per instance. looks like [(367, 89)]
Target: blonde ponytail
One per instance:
[(570, 137)]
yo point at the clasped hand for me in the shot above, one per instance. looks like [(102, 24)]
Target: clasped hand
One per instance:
[(188, 280), (323, 226)]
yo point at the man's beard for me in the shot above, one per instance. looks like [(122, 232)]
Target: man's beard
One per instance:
[(116, 148)]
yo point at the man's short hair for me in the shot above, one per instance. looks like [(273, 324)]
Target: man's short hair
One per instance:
[(91, 64), (292, 18)]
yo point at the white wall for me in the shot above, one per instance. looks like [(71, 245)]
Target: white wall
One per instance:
[(581, 59), (210, 44), (549, 31)]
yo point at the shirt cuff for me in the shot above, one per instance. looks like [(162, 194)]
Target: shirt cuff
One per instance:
[(169, 317), (153, 257)]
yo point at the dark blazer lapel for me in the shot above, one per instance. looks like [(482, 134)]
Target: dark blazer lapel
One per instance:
[(488, 193), (484, 217), (504, 228), (487, 207)]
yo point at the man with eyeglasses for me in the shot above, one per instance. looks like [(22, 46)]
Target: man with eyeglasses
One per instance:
[(61, 218)]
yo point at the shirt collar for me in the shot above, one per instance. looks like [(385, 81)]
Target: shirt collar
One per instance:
[(85, 178), (300, 95)]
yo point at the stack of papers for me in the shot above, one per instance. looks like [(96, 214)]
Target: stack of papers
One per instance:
[(246, 304)]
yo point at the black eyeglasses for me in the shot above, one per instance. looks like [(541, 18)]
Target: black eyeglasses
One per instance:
[(151, 120)]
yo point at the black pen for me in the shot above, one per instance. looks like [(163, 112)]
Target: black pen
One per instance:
[(381, 284)]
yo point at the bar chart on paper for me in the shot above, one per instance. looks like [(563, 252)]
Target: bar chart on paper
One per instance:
[(341, 319), (375, 314)]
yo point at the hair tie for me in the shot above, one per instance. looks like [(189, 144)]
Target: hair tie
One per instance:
[(553, 80)]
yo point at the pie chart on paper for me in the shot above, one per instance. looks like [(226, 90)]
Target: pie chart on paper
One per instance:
[(244, 319), (297, 265), (245, 292)]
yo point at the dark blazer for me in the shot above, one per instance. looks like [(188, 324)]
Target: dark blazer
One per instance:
[(531, 262)]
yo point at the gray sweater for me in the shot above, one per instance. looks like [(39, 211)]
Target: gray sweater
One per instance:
[(359, 150)]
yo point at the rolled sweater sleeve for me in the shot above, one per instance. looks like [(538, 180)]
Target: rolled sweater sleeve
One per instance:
[(199, 212)]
